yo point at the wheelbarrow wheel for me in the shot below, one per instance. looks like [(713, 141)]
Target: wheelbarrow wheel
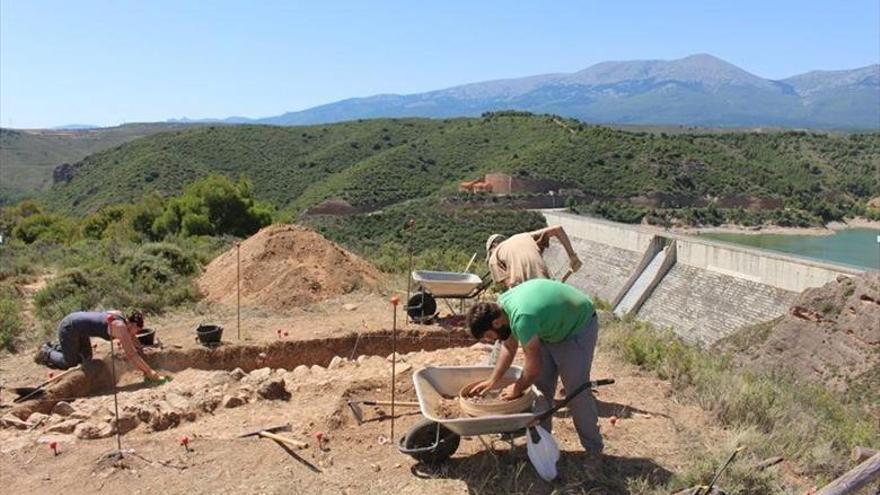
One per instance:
[(423, 435), (421, 307)]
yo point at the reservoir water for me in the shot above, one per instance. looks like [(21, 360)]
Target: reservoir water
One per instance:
[(857, 247)]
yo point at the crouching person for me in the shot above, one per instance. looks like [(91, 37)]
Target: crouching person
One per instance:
[(557, 328), (76, 331)]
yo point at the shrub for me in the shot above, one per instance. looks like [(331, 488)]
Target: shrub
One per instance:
[(43, 227), (10, 321), (182, 263)]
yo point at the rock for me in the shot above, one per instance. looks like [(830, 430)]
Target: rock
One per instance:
[(301, 370), (237, 374), (164, 416), (273, 389), (259, 375), (37, 419), (230, 401), (349, 307), (316, 368), (126, 423), (55, 419), (218, 378), (65, 427), (375, 467), (177, 401), (90, 431), (336, 362), (81, 415), (10, 421), (362, 358), (63, 409), (400, 358), (210, 402)]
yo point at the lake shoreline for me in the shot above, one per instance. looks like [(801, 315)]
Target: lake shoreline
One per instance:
[(829, 229)]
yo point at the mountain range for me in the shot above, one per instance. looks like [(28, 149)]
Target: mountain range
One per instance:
[(698, 90)]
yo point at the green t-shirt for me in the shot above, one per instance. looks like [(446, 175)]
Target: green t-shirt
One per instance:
[(546, 308)]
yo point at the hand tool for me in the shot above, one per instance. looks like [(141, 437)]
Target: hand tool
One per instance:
[(25, 393), (271, 433), (358, 413)]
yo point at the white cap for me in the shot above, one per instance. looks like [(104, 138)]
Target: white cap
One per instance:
[(492, 240)]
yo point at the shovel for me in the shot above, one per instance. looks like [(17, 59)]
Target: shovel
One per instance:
[(542, 449), (25, 393)]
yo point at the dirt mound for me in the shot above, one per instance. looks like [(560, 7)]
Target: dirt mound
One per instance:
[(831, 334), (284, 266)]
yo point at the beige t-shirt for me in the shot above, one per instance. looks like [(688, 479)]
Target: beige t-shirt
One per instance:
[(516, 260)]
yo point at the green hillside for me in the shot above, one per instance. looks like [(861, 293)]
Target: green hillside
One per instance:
[(27, 157), (380, 162)]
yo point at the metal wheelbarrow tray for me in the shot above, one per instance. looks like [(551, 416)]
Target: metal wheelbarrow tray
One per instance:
[(433, 383), (448, 284), (434, 439)]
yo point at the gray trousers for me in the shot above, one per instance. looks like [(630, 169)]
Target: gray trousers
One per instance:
[(571, 360), (75, 347)]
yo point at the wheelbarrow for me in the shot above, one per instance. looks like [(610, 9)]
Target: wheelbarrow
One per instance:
[(435, 439), (430, 285)]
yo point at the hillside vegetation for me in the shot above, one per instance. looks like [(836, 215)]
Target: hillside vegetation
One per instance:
[(380, 162), (28, 157)]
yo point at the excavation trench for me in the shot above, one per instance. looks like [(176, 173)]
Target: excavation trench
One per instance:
[(97, 378)]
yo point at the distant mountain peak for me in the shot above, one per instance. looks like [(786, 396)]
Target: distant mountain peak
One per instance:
[(699, 89)]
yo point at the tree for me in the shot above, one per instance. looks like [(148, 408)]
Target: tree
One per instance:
[(214, 206)]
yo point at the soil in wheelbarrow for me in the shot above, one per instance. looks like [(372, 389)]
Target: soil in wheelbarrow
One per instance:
[(448, 408)]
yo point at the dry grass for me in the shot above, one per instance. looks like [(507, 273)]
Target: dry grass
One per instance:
[(812, 427)]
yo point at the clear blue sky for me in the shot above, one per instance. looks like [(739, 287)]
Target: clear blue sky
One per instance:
[(107, 62)]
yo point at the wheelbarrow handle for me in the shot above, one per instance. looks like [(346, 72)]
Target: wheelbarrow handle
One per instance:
[(536, 438), (564, 402)]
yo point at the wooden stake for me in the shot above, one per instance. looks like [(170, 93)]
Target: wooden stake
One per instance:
[(238, 288), (115, 398), (394, 301)]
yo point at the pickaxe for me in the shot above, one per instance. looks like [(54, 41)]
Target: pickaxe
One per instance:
[(358, 413), (270, 433)]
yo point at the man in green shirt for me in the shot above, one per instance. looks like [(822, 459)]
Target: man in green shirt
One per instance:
[(557, 328)]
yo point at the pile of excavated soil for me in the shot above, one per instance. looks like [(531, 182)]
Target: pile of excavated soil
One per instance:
[(831, 334), (284, 266)]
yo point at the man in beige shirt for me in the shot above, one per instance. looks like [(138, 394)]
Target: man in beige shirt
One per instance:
[(517, 259)]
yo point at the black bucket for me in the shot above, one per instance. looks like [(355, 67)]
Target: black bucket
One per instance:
[(209, 334), (147, 336)]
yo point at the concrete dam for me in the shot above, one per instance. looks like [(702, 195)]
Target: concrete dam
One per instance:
[(702, 290)]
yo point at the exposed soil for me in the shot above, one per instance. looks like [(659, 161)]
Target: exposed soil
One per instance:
[(283, 266), (653, 438), (831, 334)]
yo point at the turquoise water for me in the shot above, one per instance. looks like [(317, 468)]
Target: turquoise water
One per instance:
[(858, 247)]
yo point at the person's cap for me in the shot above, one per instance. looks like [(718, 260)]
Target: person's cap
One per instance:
[(492, 240)]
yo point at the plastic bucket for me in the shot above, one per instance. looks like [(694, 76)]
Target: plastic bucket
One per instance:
[(209, 334)]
